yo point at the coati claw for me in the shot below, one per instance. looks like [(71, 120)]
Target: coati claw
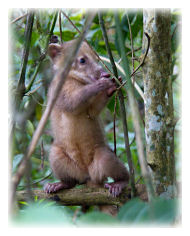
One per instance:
[(53, 187), (114, 188)]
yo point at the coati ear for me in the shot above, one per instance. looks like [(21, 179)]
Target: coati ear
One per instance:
[(54, 50)]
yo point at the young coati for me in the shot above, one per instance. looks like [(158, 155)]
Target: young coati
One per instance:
[(79, 153)]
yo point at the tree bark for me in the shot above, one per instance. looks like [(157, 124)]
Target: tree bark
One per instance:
[(159, 119), (77, 197)]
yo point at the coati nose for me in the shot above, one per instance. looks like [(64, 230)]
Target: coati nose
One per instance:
[(104, 74)]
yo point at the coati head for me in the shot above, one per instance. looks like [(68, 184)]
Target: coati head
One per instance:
[(85, 67)]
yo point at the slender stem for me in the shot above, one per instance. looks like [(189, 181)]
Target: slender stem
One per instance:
[(35, 182), (135, 114), (123, 72), (19, 18), (20, 90), (28, 33), (44, 54), (132, 48), (33, 78), (60, 28), (114, 126), (51, 30), (145, 55), (128, 53), (42, 154), (142, 62), (122, 106), (62, 74)]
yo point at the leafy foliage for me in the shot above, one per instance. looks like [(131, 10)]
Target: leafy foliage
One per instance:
[(134, 212), (158, 211)]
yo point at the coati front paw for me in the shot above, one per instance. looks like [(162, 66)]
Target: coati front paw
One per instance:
[(111, 90), (104, 83), (54, 187), (114, 188)]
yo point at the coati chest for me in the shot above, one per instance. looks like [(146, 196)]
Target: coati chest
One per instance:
[(75, 117)]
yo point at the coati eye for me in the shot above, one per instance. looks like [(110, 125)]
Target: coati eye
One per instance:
[(82, 60)]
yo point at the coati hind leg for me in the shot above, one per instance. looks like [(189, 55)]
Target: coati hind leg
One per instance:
[(65, 169), (106, 164)]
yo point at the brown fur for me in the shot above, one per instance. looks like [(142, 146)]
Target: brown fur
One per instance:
[(80, 152)]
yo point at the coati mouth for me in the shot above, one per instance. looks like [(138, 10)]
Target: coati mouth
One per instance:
[(105, 75), (102, 75)]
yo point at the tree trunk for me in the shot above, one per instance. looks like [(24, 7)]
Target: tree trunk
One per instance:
[(159, 119)]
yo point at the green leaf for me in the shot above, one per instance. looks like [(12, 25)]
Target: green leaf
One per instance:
[(158, 211), (164, 210), (133, 211), (23, 203), (43, 214), (29, 128), (96, 218), (66, 35), (17, 159)]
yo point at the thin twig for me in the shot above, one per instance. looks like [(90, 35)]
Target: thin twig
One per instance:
[(36, 100), (19, 18), (42, 57), (130, 52), (145, 55), (62, 74), (75, 214), (123, 72), (122, 106), (33, 91), (139, 180), (35, 182), (21, 83), (114, 126), (20, 90), (60, 28), (132, 48), (132, 141), (42, 154), (142, 62), (177, 25)]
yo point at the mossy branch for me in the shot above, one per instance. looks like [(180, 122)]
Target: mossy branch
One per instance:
[(77, 197)]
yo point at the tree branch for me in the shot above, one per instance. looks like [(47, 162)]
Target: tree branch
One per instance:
[(19, 18), (82, 196)]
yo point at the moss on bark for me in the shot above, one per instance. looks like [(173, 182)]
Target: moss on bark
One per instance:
[(159, 128)]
